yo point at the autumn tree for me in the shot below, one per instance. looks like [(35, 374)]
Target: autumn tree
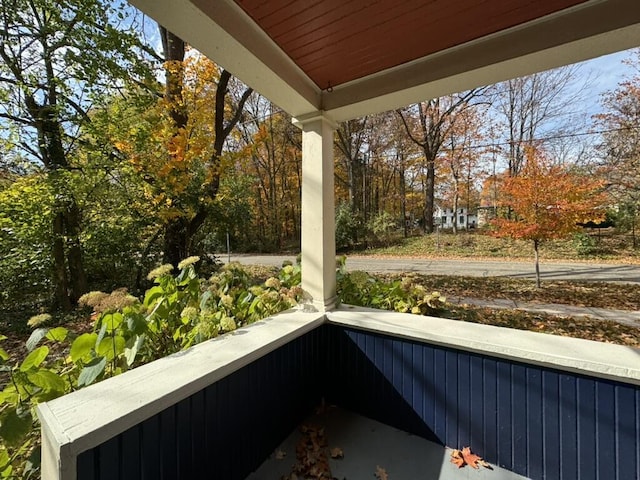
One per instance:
[(620, 147), (428, 124), (178, 146), (542, 104), (460, 160), (271, 156), (58, 61), (548, 201)]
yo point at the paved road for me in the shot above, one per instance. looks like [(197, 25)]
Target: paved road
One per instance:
[(548, 271)]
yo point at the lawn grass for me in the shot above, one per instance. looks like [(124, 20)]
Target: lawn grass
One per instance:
[(608, 246)]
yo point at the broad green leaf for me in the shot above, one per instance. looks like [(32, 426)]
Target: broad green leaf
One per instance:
[(93, 370), (82, 346), (47, 380), (58, 334), (112, 321), (3, 337), (14, 427), (109, 344), (101, 334), (35, 358), (9, 395), (35, 337), (152, 295), (136, 323), (204, 299), (4, 459), (4, 356), (130, 353)]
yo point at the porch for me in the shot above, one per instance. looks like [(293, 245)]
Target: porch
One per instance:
[(533, 404)]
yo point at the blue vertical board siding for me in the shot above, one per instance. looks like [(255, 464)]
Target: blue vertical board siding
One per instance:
[(568, 427), (535, 438), (130, 454), (224, 431), (538, 422)]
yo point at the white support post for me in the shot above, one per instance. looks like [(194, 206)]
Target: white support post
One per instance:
[(318, 212)]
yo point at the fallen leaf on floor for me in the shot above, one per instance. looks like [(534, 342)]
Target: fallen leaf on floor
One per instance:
[(280, 454), (311, 453), (456, 458), (336, 453), (463, 457), (470, 458), (381, 473)]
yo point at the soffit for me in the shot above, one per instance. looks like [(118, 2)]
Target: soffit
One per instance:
[(354, 57)]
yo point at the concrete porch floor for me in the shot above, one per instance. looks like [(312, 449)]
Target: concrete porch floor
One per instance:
[(367, 445)]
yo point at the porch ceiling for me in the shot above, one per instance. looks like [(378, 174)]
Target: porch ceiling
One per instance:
[(354, 57)]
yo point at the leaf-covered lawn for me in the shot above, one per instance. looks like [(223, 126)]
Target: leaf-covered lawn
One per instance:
[(591, 245), (601, 331), (582, 294)]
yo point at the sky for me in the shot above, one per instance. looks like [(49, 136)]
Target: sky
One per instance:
[(608, 71)]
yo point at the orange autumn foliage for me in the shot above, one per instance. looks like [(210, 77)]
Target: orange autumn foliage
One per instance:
[(548, 201)]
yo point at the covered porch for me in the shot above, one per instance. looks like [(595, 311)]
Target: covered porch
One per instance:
[(540, 407)]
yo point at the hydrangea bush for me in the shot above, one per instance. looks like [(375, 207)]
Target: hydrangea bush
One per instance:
[(177, 312)]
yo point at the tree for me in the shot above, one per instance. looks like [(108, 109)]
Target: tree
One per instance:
[(539, 104), (620, 148), (181, 229), (461, 161), (428, 125), (548, 201), (58, 61), (177, 145)]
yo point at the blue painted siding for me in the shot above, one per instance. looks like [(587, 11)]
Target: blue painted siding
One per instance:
[(224, 431), (541, 423)]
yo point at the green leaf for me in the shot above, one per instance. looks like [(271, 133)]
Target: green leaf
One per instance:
[(93, 370), (4, 356), (47, 380), (107, 345), (112, 321), (152, 294), (35, 358), (82, 346), (35, 337), (101, 333), (14, 427), (204, 299), (130, 353), (58, 334), (3, 337), (4, 459), (9, 395)]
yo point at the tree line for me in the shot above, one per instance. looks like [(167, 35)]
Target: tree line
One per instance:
[(116, 155)]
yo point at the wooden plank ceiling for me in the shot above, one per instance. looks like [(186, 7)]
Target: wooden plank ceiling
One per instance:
[(337, 41)]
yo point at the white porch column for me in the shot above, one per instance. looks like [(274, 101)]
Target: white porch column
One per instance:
[(318, 212)]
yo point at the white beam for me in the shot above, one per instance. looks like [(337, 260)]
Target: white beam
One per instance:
[(224, 33), (318, 211)]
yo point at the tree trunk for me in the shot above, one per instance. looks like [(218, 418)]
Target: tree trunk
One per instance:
[(176, 242), (429, 196), (536, 244), (60, 279), (77, 276)]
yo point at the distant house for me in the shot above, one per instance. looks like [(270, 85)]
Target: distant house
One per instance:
[(446, 217)]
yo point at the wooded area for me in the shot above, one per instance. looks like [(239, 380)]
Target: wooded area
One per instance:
[(121, 147)]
